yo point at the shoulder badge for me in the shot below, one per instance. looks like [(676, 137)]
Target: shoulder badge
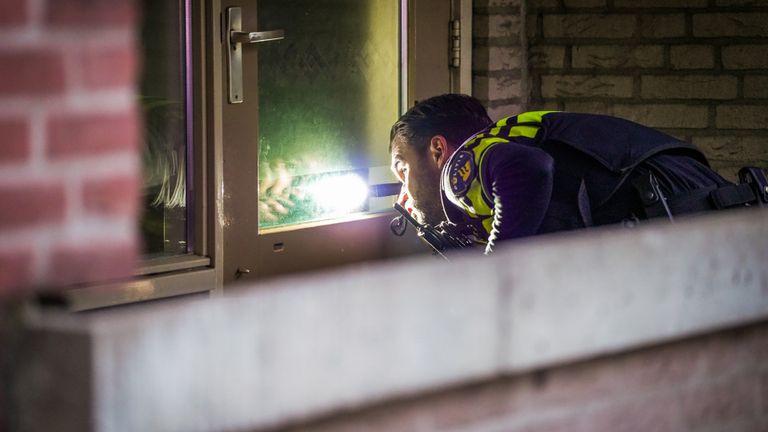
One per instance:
[(461, 172)]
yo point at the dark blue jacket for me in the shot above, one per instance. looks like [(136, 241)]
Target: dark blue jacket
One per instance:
[(548, 171)]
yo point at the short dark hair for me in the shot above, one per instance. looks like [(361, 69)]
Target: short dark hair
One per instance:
[(454, 116)]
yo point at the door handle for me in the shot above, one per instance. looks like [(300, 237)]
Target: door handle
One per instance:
[(236, 38), (255, 37)]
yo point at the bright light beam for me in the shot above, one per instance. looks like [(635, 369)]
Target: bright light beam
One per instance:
[(339, 193)]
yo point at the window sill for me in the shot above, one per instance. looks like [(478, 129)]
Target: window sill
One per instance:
[(140, 289), (170, 264)]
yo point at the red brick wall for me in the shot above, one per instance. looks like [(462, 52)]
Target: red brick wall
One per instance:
[(69, 165), (713, 383), (697, 69)]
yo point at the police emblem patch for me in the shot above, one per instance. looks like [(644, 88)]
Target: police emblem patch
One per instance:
[(461, 172)]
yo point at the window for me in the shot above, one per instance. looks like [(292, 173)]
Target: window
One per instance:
[(163, 98), (310, 134), (328, 94)]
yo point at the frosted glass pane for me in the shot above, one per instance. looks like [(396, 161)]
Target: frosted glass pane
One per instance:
[(328, 95)]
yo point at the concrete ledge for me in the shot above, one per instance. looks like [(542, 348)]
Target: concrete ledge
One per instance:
[(297, 348)]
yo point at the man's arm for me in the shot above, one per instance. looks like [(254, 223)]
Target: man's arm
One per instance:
[(519, 179)]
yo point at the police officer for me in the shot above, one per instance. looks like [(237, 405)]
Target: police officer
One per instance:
[(540, 172)]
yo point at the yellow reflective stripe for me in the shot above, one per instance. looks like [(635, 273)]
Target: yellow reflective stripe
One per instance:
[(483, 145), (488, 224), (524, 131), (476, 193), (479, 145), (532, 117), (528, 130), (499, 124)]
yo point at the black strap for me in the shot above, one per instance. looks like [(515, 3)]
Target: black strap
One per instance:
[(703, 199), (732, 196)]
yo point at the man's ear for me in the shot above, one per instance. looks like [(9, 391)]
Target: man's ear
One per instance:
[(439, 150)]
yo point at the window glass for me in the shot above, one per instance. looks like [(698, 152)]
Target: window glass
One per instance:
[(328, 94), (163, 106)]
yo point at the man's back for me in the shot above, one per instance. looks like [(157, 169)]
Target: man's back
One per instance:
[(579, 165)]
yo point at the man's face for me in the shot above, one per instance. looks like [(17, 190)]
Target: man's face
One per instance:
[(420, 174)]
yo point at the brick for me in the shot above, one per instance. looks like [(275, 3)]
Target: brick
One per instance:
[(543, 105), (91, 15), (764, 393), (739, 351), (584, 3), (495, 88), (496, 3), (741, 2), (756, 86), (665, 116), (75, 135), (729, 173), (606, 380), (30, 204), (589, 26), (719, 403), (544, 4), (567, 423), (15, 271), (32, 72), (733, 148), (76, 264), (506, 110), (692, 57), (659, 4), (689, 87), (108, 66), (730, 24), (589, 107), (745, 57), (496, 58), (15, 145), (13, 12), (618, 56), (473, 404), (546, 57), (741, 116), (656, 413), (496, 26), (586, 86), (111, 196), (662, 25), (532, 27)]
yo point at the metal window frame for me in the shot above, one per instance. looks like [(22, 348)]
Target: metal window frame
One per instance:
[(196, 272)]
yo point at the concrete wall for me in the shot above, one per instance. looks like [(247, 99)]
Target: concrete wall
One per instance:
[(474, 330), (69, 165), (717, 382)]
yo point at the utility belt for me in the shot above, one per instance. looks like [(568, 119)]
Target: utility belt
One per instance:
[(752, 191)]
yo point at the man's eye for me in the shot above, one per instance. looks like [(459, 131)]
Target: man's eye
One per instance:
[(400, 169)]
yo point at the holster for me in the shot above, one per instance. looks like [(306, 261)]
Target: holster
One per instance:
[(751, 191)]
